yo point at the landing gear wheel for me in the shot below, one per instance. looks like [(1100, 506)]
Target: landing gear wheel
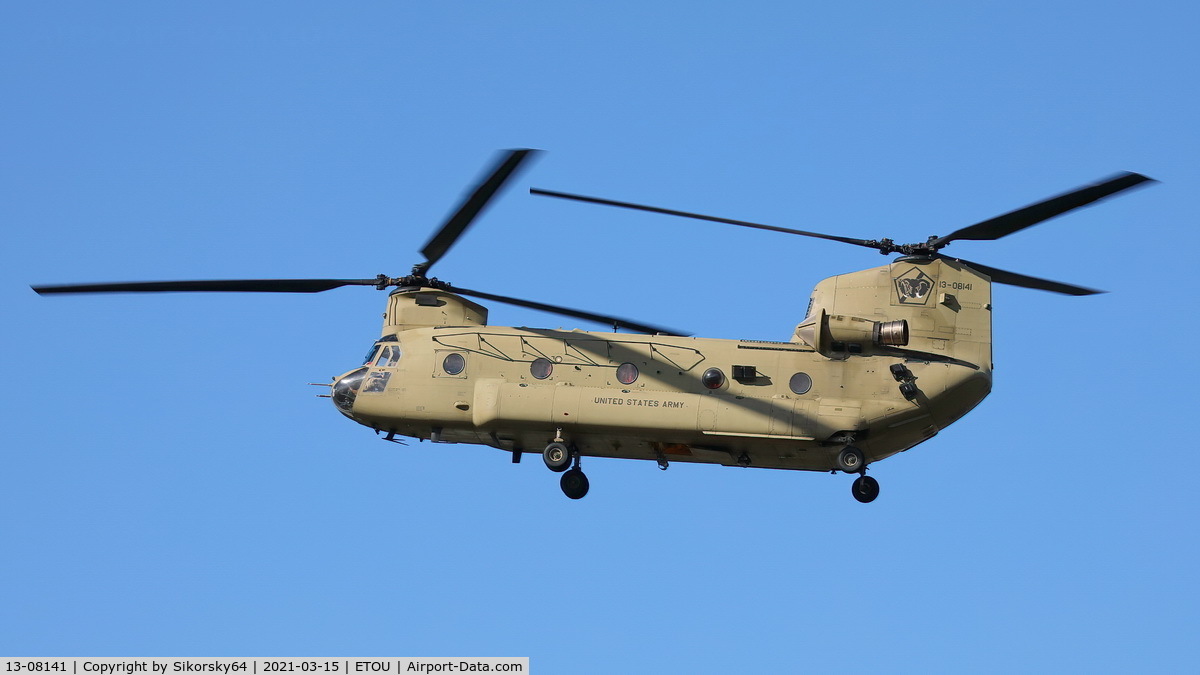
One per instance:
[(574, 484), (557, 457), (850, 459), (865, 489)]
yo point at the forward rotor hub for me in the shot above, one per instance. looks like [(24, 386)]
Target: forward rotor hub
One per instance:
[(383, 282)]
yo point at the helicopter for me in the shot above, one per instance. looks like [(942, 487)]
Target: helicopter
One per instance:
[(882, 361)]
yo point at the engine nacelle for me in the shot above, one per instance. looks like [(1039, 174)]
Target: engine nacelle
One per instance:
[(838, 334)]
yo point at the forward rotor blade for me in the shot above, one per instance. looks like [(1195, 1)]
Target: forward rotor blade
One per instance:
[(210, 286), (567, 311), (1015, 221), (471, 207), (698, 216), (1013, 279)]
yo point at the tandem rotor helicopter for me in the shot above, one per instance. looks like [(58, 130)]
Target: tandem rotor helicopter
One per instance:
[(883, 360)]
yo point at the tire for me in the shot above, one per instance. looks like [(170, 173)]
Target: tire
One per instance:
[(850, 460), (865, 489), (557, 457), (574, 484)]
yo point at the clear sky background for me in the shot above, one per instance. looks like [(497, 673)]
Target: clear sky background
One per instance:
[(170, 486)]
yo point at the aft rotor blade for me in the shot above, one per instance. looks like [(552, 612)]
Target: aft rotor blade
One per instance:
[(699, 216), (567, 311), (1015, 221), (471, 207), (1013, 279), (211, 286)]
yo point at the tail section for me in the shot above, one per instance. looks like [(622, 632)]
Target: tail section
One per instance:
[(937, 308)]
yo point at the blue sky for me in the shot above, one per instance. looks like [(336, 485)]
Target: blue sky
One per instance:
[(172, 487)]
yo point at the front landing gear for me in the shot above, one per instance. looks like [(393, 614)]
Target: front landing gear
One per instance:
[(574, 484), (865, 489), (564, 459), (557, 457)]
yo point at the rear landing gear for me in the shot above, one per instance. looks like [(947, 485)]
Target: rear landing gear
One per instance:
[(850, 460), (865, 489)]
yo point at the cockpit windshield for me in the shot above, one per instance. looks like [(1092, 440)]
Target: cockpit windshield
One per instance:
[(371, 353)]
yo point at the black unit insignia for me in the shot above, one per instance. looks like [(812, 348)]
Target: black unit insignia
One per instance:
[(913, 287)]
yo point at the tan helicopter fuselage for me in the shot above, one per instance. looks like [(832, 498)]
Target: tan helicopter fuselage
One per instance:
[(440, 373)]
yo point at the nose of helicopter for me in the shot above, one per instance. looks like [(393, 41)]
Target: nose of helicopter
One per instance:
[(345, 389)]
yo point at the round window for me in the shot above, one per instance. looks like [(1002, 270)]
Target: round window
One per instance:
[(713, 378), (541, 368), (800, 383), (627, 373), (454, 364)]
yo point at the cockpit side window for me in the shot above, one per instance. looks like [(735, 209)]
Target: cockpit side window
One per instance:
[(388, 356)]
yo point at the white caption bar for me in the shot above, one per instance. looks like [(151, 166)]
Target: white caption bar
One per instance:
[(113, 665)]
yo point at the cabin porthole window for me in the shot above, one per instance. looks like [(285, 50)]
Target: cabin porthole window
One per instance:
[(800, 383), (454, 364), (627, 373), (541, 368), (712, 378)]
